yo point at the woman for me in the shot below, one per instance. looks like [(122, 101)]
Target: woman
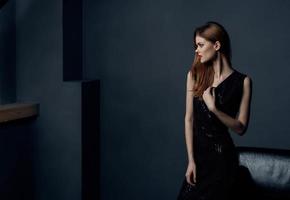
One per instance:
[(218, 98)]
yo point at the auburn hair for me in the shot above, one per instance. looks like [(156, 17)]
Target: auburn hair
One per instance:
[(203, 73)]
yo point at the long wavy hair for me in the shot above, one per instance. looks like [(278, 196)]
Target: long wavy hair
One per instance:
[(203, 73)]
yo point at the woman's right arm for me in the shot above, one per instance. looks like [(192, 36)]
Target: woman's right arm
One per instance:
[(188, 120), (191, 168)]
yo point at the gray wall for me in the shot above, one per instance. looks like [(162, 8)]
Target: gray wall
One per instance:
[(143, 50), (57, 130)]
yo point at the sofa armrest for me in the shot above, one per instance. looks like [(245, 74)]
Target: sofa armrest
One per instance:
[(265, 171)]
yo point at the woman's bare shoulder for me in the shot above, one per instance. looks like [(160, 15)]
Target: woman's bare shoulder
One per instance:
[(190, 81), (189, 75), (248, 82)]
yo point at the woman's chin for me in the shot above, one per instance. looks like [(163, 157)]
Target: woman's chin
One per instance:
[(201, 60)]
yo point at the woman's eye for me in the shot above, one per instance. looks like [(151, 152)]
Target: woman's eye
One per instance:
[(201, 45), (198, 45)]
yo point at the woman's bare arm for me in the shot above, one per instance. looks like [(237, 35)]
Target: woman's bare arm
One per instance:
[(189, 117), (240, 124)]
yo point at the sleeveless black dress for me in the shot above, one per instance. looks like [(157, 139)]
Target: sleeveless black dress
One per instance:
[(215, 155)]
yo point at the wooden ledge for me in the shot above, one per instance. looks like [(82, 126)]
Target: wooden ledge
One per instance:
[(15, 111)]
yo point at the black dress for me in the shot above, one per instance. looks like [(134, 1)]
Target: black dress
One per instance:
[(214, 151)]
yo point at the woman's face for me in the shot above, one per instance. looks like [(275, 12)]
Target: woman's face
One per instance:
[(205, 49)]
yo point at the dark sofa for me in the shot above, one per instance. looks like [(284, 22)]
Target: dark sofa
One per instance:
[(264, 174)]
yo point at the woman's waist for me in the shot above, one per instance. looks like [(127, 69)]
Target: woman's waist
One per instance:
[(211, 133), (214, 128)]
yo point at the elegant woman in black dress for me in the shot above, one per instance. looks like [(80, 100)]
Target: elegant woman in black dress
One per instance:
[(218, 98)]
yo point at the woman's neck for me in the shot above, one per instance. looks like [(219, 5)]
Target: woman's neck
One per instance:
[(221, 67)]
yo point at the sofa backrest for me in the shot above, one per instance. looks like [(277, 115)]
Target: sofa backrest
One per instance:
[(266, 169)]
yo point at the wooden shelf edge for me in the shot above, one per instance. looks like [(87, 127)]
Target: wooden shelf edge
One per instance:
[(16, 111)]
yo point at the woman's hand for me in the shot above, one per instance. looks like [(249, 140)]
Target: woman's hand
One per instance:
[(191, 173), (209, 98)]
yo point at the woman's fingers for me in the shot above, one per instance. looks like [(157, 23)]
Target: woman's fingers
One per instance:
[(191, 173), (208, 90), (205, 93), (189, 178)]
